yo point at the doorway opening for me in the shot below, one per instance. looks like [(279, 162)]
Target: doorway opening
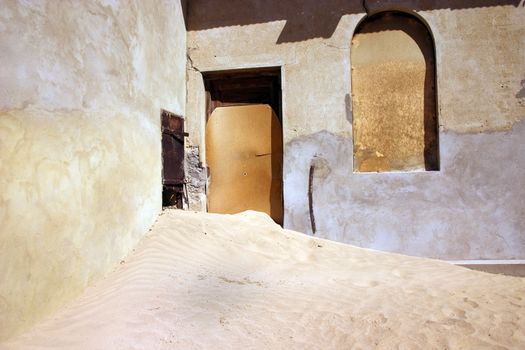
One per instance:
[(244, 142)]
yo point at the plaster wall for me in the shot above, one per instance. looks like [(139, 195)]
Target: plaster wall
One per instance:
[(472, 208), (81, 88)]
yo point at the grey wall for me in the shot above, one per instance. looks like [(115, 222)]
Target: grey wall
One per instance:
[(473, 208)]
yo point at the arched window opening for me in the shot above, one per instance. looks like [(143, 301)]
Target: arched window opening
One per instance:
[(395, 124)]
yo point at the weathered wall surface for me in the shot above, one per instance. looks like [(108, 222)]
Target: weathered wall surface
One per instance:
[(394, 95), (473, 208), (81, 87)]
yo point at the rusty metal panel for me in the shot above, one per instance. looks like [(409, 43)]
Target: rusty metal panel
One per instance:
[(172, 148)]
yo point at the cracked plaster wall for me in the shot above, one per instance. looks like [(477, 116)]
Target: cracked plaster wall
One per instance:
[(81, 88), (473, 208)]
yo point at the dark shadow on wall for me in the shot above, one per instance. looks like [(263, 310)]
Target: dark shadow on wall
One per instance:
[(521, 93), (307, 19), (184, 6)]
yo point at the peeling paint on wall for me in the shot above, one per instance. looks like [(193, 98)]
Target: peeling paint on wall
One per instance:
[(465, 211), (195, 179), (472, 208)]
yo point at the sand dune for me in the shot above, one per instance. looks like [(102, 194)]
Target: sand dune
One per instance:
[(205, 281)]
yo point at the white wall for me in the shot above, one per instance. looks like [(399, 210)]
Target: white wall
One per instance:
[(82, 85)]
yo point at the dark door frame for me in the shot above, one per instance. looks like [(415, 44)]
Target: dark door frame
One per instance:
[(245, 86)]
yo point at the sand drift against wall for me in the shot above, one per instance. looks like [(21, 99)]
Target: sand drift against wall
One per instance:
[(219, 282)]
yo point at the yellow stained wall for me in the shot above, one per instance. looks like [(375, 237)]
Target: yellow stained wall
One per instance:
[(81, 87), (393, 95)]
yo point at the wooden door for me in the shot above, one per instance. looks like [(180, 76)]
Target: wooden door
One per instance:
[(244, 155), (172, 159)]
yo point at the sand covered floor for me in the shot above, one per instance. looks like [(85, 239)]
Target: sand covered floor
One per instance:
[(207, 281)]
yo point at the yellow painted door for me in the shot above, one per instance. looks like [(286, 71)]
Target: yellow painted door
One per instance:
[(244, 155)]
